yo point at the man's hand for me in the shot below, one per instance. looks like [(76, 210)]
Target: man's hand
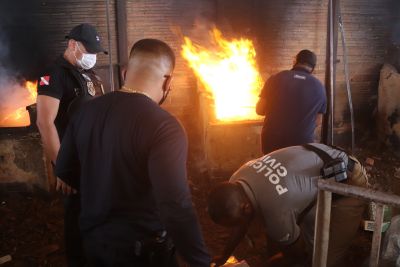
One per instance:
[(64, 188)]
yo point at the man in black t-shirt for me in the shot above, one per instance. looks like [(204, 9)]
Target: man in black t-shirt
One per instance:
[(293, 103), (61, 90), (130, 157)]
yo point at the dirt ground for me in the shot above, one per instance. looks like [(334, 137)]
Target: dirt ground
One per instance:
[(31, 225)]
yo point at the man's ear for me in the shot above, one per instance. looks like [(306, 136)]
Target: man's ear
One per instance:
[(123, 73), (167, 83), (71, 44)]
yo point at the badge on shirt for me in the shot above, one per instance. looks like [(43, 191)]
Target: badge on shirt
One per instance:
[(44, 80), (89, 84)]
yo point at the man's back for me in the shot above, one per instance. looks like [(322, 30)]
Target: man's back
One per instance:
[(293, 100), (115, 136), (132, 158), (282, 184)]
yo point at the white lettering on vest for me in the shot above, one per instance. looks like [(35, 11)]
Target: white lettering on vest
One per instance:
[(280, 189), (272, 170)]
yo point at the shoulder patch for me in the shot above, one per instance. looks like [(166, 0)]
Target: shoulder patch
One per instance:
[(44, 80)]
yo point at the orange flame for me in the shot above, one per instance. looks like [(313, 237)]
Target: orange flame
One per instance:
[(19, 116), (32, 89), (229, 74)]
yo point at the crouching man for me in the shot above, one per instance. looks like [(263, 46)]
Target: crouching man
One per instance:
[(279, 189)]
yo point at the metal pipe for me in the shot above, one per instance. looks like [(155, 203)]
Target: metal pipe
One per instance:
[(377, 236), (110, 66), (347, 78), (322, 224), (330, 72), (359, 192), (122, 36), (331, 96)]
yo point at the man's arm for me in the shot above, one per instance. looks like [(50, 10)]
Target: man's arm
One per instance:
[(47, 109), (167, 173), (261, 106), (68, 166), (318, 120), (236, 236)]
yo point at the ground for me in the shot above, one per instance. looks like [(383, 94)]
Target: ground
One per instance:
[(31, 225)]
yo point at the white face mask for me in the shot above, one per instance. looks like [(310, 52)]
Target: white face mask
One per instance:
[(87, 61)]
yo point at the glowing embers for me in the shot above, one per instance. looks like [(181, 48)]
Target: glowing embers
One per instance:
[(13, 111), (228, 72)]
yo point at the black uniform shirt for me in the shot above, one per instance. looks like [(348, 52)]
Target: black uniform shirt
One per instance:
[(131, 157), (70, 85), (58, 82)]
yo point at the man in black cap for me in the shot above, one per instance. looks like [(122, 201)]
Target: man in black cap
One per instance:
[(61, 91), (293, 103)]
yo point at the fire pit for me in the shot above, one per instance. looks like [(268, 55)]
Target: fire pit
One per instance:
[(229, 85), (22, 164)]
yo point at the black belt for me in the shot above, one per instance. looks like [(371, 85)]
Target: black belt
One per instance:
[(147, 244)]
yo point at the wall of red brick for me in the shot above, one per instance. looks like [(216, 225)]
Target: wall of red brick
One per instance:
[(58, 17), (279, 29)]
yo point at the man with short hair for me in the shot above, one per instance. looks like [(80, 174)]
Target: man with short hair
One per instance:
[(62, 89), (293, 103), (279, 190), (130, 155)]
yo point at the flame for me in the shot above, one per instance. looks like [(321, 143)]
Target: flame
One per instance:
[(232, 259), (19, 116), (32, 89), (229, 75)]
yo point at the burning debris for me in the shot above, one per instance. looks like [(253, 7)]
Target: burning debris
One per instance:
[(13, 104), (229, 74)]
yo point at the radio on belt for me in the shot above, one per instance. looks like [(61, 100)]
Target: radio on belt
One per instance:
[(335, 168)]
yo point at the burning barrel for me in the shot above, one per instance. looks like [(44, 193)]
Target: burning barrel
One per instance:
[(229, 84)]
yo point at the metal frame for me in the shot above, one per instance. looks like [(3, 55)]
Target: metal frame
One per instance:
[(322, 219)]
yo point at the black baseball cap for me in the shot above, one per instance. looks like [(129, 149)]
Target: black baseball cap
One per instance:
[(306, 57), (88, 36)]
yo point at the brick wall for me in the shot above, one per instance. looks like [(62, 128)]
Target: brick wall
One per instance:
[(55, 18), (279, 29), (58, 17), (168, 21)]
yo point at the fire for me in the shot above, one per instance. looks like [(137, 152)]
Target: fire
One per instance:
[(228, 72), (32, 89), (16, 115)]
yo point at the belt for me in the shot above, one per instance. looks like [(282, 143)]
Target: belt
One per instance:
[(148, 244)]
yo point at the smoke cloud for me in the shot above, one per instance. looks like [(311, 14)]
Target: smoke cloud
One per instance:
[(23, 52)]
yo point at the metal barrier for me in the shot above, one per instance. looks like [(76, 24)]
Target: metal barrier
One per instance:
[(323, 217)]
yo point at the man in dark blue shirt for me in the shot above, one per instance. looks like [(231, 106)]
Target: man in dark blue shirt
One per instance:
[(130, 155), (293, 102)]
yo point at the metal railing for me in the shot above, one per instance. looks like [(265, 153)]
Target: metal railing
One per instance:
[(323, 217)]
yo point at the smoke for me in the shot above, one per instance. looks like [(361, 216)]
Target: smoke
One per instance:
[(24, 51), (22, 40)]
